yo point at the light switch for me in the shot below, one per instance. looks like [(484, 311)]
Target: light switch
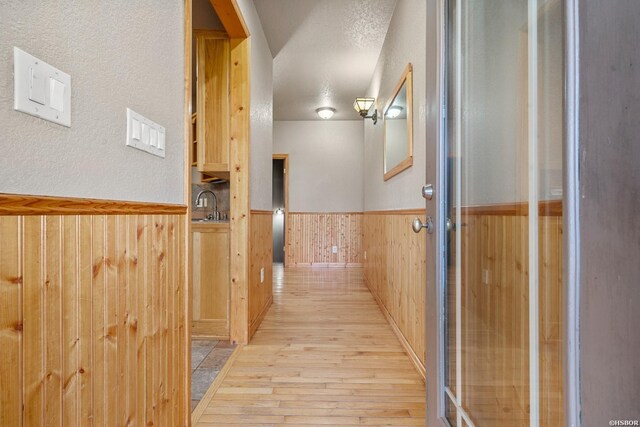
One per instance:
[(135, 129), (144, 134), (153, 137), (40, 89), (161, 140), (36, 86), (56, 94)]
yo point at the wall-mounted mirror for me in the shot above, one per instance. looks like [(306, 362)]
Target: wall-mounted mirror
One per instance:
[(398, 127)]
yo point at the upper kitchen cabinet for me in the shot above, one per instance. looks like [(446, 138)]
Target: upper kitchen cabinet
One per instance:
[(213, 56)]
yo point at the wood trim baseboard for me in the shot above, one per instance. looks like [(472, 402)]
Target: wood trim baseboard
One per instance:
[(545, 208), (325, 213), (415, 360), (421, 211), (217, 382), (325, 265), (261, 212), (18, 204), (253, 327)]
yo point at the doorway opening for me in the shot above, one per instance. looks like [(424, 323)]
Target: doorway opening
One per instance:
[(280, 207), (216, 72)]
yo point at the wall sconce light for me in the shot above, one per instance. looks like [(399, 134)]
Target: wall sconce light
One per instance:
[(394, 111), (325, 112), (363, 106)]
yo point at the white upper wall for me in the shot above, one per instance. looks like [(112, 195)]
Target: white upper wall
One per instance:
[(405, 42), (325, 164), (261, 69), (119, 54)]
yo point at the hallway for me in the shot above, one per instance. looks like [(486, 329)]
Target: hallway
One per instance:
[(324, 355)]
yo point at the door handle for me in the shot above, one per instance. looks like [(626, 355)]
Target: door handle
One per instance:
[(450, 225), (417, 225), (427, 191)]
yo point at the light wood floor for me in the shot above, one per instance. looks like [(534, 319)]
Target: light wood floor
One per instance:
[(324, 355)]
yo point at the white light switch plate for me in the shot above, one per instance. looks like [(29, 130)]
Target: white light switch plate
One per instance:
[(40, 89), (145, 134), (334, 249)]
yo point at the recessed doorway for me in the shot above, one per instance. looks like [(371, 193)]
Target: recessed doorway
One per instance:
[(280, 206)]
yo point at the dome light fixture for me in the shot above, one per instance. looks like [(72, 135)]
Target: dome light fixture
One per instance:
[(363, 106), (394, 111), (325, 113)]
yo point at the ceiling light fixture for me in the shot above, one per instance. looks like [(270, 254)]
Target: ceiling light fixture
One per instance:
[(363, 106), (325, 112), (394, 111)]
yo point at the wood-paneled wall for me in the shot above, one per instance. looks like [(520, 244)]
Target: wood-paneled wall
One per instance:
[(395, 272), (92, 320), (309, 238), (261, 247), (495, 313)]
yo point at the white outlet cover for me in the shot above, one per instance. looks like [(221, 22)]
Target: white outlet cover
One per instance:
[(334, 249), (486, 276), (41, 90)]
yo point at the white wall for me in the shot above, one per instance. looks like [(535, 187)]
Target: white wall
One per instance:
[(405, 42), (325, 164), (261, 68), (119, 54), (495, 132)]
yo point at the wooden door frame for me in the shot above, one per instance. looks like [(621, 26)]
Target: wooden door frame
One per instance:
[(235, 26), (187, 131), (285, 157)]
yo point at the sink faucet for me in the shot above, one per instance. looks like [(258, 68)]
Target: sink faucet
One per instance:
[(216, 214)]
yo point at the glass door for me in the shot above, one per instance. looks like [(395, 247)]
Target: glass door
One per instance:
[(503, 296)]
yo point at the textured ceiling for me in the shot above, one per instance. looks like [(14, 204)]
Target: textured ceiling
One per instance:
[(325, 52)]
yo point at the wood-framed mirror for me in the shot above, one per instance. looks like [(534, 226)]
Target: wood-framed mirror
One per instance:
[(398, 127)]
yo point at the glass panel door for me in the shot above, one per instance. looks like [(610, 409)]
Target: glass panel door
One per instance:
[(503, 296)]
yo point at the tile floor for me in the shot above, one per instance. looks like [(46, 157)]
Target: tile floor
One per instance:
[(208, 356)]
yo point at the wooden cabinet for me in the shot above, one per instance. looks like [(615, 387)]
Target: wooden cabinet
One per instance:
[(213, 55), (194, 140), (210, 279)]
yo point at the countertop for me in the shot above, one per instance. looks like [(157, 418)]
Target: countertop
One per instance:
[(207, 225)]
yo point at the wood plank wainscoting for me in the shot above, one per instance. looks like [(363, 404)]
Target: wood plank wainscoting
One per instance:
[(310, 236), (395, 272), (495, 309), (92, 312), (261, 248)]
